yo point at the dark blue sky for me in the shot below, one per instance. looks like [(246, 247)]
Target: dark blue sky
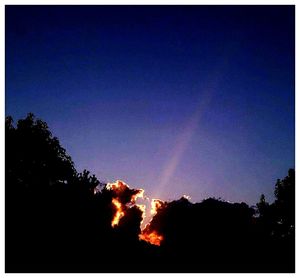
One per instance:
[(178, 100)]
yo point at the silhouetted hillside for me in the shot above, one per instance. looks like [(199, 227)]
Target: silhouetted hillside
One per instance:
[(59, 220)]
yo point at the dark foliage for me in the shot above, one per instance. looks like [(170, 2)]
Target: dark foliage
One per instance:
[(58, 220)]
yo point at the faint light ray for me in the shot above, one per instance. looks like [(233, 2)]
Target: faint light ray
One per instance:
[(184, 138), (182, 142)]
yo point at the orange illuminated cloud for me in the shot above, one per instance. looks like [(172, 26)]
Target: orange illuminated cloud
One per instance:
[(142, 208), (155, 205), (119, 212), (153, 237), (147, 234), (140, 194), (117, 186), (124, 198)]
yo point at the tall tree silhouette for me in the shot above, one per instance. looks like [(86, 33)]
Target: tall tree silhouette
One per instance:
[(34, 157), (48, 204), (285, 200)]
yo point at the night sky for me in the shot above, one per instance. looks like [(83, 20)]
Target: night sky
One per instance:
[(179, 100)]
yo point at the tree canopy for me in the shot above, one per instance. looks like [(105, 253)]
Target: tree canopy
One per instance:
[(59, 220)]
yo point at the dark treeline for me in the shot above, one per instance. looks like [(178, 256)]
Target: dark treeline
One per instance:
[(59, 220)]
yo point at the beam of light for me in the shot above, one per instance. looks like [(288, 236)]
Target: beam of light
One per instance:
[(182, 142), (184, 138)]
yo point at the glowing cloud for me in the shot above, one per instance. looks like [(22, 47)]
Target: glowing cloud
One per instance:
[(152, 237), (155, 205), (119, 212), (125, 198), (187, 197), (142, 208), (117, 186), (140, 194)]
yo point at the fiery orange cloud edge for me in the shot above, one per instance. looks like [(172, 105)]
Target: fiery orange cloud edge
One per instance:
[(151, 236), (119, 212)]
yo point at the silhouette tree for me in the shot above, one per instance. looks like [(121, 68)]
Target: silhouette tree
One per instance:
[(59, 220), (285, 199), (48, 204), (262, 205), (34, 157)]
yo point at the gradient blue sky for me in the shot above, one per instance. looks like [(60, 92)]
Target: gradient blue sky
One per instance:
[(177, 100)]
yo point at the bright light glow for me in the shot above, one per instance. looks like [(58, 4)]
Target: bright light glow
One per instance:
[(119, 213), (155, 205), (187, 197), (142, 208), (153, 237), (117, 186), (140, 194)]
